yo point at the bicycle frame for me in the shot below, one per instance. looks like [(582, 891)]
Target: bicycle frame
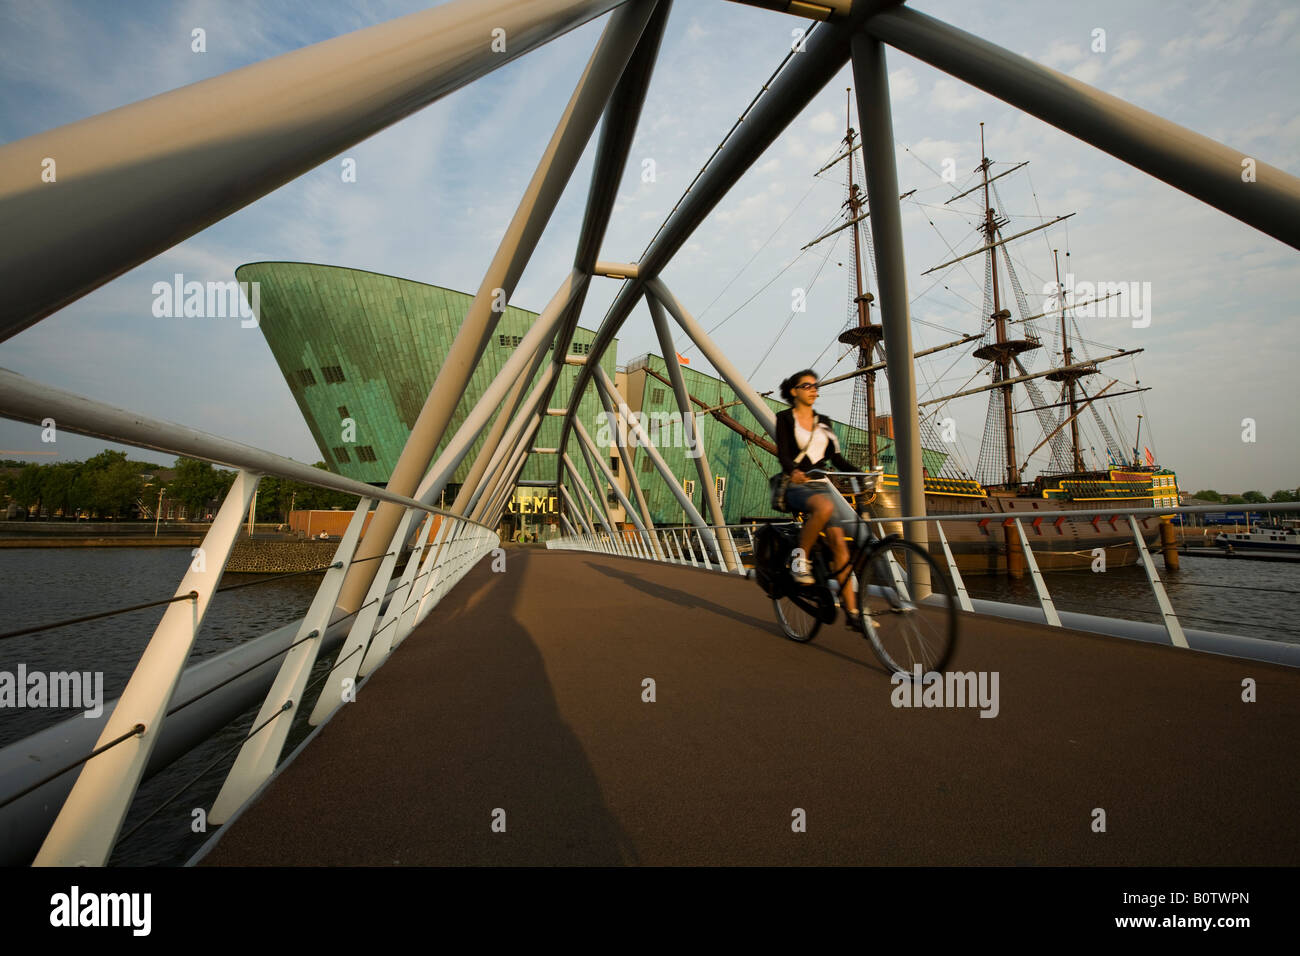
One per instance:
[(863, 542), (862, 536)]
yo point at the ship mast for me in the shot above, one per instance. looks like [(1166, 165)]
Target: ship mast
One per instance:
[(1002, 350), (865, 335), (1069, 377)]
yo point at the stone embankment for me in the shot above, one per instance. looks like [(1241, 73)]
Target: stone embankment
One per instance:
[(272, 556)]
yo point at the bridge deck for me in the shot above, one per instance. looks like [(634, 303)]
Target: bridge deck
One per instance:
[(524, 692)]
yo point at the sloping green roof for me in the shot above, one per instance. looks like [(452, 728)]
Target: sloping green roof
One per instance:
[(361, 345)]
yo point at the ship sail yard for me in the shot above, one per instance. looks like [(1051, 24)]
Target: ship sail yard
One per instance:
[(1006, 340), (1005, 344)]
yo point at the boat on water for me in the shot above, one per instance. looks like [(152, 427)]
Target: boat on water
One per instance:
[(1261, 537)]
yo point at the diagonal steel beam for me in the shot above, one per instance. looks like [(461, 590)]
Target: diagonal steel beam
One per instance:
[(612, 416), (871, 76), (825, 53), (690, 428), (1196, 164), (595, 454), (554, 169), (134, 181)]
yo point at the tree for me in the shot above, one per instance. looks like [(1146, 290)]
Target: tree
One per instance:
[(194, 485), (59, 487), (1208, 495), (310, 497), (1253, 497), (27, 488), (1284, 495), (117, 488), (1234, 500), (274, 497)]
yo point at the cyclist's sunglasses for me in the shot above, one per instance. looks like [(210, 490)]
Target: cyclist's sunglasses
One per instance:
[(807, 385)]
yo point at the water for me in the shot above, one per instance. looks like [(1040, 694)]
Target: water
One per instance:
[(41, 585), (38, 585), (1236, 596)]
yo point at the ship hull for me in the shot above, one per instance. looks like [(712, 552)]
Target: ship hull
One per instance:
[(990, 546)]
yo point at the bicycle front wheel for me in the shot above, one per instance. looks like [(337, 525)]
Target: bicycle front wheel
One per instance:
[(906, 633)]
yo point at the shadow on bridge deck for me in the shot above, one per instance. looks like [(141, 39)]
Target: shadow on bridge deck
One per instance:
[(524, 692)]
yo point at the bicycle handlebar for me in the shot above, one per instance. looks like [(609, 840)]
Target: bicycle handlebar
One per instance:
[(843, 474)]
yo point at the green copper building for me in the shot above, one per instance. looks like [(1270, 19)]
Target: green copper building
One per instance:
[(360, 352), (367, 347)]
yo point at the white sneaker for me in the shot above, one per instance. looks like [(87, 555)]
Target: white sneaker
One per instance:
[(801, 570)]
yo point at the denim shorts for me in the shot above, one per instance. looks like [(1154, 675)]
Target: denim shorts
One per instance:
[(799, 496)]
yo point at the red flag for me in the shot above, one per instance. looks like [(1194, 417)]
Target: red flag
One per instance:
[(683, 359), (1151, 459)]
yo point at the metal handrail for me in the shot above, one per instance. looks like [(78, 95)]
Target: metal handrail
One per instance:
[(1051, 616), (25, 400), (107, 784)]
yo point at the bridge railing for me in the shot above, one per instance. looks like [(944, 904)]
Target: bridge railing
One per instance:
[(691, 546), (108, 773)]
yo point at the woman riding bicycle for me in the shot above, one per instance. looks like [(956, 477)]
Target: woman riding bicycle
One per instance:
[(804, 441)]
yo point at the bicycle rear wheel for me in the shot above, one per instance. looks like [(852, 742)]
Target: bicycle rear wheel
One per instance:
[(905, 633), (800, 618)]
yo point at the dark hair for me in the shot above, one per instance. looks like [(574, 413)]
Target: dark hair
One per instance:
[(787, 387)]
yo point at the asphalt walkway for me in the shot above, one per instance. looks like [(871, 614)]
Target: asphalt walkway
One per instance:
[(520, 701)]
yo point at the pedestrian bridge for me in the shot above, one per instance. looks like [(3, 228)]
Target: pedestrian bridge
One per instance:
[(524, 703), (510, 726)]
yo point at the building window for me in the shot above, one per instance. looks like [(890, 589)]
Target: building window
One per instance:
[(333, 373), (305, 377), (509, 341), (365, 453), (613, 464), (343, 411), (581, 348), (656, 396), (341, 455), (646, 464), (720, 486)]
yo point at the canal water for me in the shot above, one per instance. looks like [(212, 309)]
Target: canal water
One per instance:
[(1237, 596), (42, 585)]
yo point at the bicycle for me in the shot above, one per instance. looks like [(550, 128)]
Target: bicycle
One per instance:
[(902, 631)]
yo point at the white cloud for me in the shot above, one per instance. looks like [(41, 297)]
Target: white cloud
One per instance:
[(953, 96), (1062, 54), (1155, 89), (1088, 71), (1128, 48), (902, 84), (824, 122)]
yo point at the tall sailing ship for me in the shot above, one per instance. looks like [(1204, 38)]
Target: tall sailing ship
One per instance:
[(1007, 342), (1008, 339)]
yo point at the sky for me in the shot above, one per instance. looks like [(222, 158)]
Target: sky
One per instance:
[(434, 193)]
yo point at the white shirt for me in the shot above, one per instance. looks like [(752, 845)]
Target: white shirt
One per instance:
[(816, 446)]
